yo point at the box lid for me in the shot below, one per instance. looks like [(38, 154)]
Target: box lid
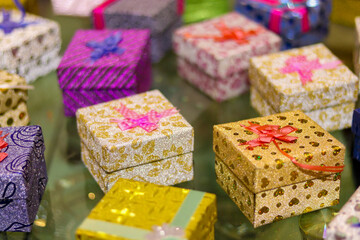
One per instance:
[(78, 70), (266, 167), (23, 171), (131, 208), (306, 78), (156, 15), (10, 95), (117, 149), (223, 58)]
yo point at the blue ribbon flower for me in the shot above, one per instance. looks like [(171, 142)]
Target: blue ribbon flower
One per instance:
[(7, 25), (106, 47)]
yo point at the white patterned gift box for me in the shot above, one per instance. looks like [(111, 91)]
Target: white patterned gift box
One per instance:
[(217, 63), (346, 224), (142, 137), (81, 8), (30, 51), (311, 79)]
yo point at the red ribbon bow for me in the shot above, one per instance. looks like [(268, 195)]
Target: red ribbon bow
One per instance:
[(271, 133), (148, 121), (236, 34), (3, 145)]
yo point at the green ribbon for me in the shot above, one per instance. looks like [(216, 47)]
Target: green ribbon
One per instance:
[(181, 220)]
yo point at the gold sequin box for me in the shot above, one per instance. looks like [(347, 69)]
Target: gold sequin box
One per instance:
[(264, 183), (329, 90), (13, 109), (163, 156), (132, 205)]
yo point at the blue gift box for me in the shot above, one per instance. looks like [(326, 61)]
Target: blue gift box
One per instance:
[(355, 128), (307, 23)]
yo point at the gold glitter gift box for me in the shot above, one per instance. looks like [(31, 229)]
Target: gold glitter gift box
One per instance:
[(145, 211), (162, 155), (13, 97), (310, 79), (273, 180)]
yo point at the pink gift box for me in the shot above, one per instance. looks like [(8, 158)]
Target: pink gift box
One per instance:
[(75, 7), (222, 61)]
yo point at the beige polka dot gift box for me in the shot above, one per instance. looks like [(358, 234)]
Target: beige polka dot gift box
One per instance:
[(278, 166), (31, 49), (13, 98), (142, 137), (310, 79)]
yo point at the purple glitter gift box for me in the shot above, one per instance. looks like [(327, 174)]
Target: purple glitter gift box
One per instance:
[(23, 177), (113, 60)]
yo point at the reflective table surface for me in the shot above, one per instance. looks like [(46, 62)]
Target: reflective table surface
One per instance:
[(71, 192)]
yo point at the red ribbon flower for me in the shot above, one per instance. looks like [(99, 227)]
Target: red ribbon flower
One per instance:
[(3, 145), (271, 133), (237, 34)]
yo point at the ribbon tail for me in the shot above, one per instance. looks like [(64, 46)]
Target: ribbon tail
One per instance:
[(3, 156), (330, 65), (275, 20), (21, 8)]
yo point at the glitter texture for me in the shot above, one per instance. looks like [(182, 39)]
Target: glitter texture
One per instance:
[(115, 149), (329, 118), (13, 109), (169, 171), (222, 63), (85, 82), (160, 16), (144, 205), (32, 51), (23, 178), (285, 92), (341, 227), (279, 203), (274, 169)]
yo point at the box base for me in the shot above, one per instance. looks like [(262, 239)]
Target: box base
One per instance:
[(166, 172), (279, 203), (217, 88), (331, 118)]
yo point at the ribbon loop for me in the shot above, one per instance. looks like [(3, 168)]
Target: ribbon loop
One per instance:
[(271, 133), (237, 34), (7, 25), (148, 122), (304, 67), (3, 144), (108, 46)]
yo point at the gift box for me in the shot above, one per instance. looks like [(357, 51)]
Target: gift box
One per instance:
[(298, 22), (200, 10), (310, 79), (141, 137), (346, 223), (160, 16), (23, 177), (13, 98), (136, 210), (217, 62), (81, 8), (345, 11), (91, 73), (278, 166), (29, 45), (355, 128)]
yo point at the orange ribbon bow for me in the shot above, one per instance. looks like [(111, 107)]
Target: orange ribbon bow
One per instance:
[(3, 145), (271, 133), (236, 34)]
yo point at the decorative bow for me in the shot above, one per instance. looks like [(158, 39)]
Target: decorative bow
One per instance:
[(7, 25), (237, 34), (106, 47), (148, 121), (304, 67), (3, 145), (271, 133), (166, 232)]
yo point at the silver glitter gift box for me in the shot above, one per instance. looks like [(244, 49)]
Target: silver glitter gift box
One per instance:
[(32, 50), (121, 139), (23, 177)]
